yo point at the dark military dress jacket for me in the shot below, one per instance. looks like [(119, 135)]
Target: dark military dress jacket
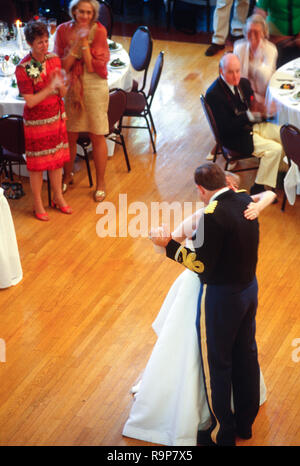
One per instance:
[(234, 126), (228, 254)]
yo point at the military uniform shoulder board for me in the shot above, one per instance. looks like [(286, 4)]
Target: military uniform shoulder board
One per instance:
[(241, 191), (211, 207)]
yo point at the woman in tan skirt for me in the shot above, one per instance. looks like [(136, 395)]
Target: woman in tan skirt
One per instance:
[(82, 46)]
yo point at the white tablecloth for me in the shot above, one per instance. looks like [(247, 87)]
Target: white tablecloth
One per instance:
[(288, 107), (288, 111), (11, 104)]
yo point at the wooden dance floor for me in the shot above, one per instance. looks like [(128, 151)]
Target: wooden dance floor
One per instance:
[(77, 328)]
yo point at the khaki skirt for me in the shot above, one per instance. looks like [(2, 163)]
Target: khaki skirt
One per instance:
[(93, 118)]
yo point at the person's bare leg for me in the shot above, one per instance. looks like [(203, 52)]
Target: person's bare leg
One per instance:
[(69, 166), (56, 186), (36, 183), (100, 160)]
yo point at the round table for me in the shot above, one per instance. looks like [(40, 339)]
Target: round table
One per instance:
[(288, 107), (11, 103), (288, 112)]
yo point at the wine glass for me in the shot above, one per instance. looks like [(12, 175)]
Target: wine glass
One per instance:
[(2, 31), (52, 23)]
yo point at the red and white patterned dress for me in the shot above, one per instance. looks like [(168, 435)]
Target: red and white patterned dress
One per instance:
[(46, 141)]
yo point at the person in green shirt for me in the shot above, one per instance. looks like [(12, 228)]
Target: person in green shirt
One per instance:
[(283, 17)]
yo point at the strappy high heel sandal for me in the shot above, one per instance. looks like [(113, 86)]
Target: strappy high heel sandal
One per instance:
[(64, 209), (99, 195), (43, 217)]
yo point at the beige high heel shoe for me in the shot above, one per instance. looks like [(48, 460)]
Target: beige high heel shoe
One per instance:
[(66, 185), (99, 195)]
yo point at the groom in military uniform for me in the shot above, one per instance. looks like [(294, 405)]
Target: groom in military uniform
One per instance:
[(226, 265)]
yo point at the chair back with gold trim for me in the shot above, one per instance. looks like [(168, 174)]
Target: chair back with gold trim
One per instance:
[(290, 138), (229, 155)]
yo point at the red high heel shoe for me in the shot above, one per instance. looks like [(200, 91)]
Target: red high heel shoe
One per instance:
[(44, 217), (64, 209)]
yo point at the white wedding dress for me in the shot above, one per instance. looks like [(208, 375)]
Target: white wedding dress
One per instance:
[(170, 403), (10, 265)]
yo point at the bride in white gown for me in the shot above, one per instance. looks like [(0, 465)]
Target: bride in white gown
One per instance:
[(10, 265), (170, 403)]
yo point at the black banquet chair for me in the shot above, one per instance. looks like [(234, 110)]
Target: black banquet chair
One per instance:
[(140, 53), (139, 104), (116, 108), (12, 146), (84, 142), (106, 17), (290, 138), (12, 143), (229, 155)]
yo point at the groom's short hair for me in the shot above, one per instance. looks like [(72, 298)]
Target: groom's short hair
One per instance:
[(210, 176)]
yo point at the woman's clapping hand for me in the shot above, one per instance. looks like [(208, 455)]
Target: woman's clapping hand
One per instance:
[(82, 33), (58, 81)]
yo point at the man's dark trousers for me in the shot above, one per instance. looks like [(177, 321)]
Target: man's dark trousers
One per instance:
[(226, 332)]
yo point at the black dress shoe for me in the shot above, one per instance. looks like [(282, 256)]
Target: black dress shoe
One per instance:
[(257, 188), (234, 38), (204, 439), (244, 433), (213, 49)]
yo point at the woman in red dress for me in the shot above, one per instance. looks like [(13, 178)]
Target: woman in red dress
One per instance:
[(40, 82)]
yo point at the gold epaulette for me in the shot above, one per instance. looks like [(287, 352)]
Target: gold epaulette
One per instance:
[(188, 260), (211, 207), (241, 191)]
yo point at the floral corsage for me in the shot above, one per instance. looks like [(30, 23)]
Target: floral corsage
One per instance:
[(34, 69)]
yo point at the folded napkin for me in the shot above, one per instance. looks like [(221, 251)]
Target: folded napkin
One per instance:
[(292, 183)]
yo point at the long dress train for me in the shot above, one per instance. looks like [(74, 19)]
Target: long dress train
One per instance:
[(170, 404), (10, 265)]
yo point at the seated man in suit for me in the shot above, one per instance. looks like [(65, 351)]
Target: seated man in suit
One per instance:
[(231, 99)]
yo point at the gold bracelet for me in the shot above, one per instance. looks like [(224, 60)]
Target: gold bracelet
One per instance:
[(74, 55)]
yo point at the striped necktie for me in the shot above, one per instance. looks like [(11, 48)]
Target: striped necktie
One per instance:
[(236, 92)]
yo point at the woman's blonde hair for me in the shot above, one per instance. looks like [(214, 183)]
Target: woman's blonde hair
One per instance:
[(74, 4), (257, 19)]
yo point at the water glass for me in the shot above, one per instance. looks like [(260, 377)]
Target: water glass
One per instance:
[(52, 23)]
